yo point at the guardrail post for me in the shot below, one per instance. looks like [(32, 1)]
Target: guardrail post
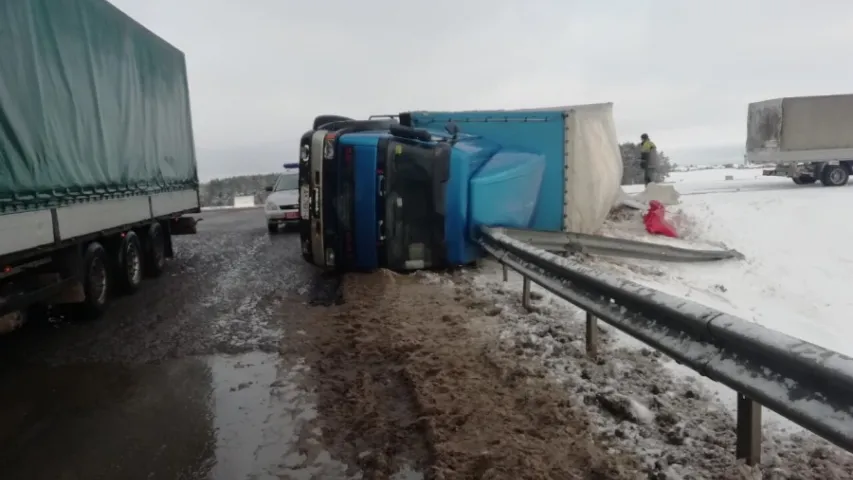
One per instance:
[(748, 430), (591, 335), (525, 293), (506, 272)]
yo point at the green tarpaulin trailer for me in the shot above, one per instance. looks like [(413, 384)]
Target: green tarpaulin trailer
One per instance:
[(91, 102), (95, 131)]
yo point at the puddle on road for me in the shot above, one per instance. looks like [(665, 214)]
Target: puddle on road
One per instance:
[(262, 418), (219, 418)]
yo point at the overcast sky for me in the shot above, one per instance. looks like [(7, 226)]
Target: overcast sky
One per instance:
[(681, 70)]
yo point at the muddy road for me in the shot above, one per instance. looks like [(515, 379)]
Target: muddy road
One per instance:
[(242, 362), (181, 380)]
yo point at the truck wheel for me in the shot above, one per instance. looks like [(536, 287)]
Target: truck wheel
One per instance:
[(272, 227), (834, 176), (155, 250), (96, 281), (129, 263), (321, 120), (306, 251)]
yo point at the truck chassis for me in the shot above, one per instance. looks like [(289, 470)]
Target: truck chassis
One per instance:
[(830, 174), (86, 253)]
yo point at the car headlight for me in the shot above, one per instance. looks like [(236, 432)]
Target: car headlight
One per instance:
[(305, 153), (272, 206)]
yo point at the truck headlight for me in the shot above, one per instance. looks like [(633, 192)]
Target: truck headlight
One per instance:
[(272, 206), (305, 153), (329, 148)]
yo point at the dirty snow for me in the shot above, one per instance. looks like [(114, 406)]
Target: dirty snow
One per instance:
[(635, 399), (792, 280)]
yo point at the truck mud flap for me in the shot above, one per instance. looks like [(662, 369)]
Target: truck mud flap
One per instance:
[(184, 226)]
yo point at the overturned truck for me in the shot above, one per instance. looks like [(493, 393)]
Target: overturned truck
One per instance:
[(410, 191)]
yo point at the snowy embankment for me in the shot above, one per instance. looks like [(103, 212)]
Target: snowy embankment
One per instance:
[(794, 279)]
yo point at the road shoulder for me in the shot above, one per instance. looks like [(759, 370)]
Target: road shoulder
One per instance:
[(408, 380)]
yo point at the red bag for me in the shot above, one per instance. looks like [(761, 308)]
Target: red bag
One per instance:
[(655, 222)]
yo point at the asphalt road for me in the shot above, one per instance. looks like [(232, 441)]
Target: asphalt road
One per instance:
[(181, 380)]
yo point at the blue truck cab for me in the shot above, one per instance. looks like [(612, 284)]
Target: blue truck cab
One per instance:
[(409, 191)]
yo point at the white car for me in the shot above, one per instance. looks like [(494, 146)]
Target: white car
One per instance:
[(282, 205)]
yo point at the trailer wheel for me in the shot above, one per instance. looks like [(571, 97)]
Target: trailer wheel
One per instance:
[(804, 180), (129, 263), (155, 250), (834, 176), (96, 281)]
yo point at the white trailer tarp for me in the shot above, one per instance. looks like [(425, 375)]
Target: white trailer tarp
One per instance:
[(800, 124), (593, 167)]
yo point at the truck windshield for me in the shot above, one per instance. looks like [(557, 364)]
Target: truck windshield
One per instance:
[(416, 177), (287, 181)]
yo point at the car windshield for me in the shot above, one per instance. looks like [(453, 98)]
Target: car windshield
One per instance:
[(287, 181)]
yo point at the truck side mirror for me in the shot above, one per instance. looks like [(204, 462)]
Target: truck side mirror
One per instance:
[(268, 189), (452, 129)]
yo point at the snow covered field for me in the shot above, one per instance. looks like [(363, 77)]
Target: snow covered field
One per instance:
[(798, 265), (794, 279)]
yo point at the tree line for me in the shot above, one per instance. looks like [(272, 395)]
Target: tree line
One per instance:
[(220, 192), (632, 173)]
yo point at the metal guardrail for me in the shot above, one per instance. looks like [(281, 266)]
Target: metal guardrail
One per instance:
[(618, 247), (805, 383)]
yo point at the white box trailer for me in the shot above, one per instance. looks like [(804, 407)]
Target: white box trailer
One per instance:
[(807, 138)]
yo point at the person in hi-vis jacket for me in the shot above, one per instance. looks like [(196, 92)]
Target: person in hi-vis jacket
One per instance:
[(648, 158)]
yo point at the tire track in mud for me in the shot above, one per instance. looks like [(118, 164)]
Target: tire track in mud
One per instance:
[(404, 384)]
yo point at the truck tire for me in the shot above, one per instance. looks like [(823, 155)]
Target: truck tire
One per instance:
[(804, 180), (96, 282), (272, 227), (834, 176), (154, 243), (306, 250), (321, 120), (129, 263), (355, 126)]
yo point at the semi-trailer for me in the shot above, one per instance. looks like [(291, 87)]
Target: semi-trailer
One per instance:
[(97, 160)]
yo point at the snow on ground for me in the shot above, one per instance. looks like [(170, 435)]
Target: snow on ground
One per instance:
[(636, 402), (794, 279), (795, 239)]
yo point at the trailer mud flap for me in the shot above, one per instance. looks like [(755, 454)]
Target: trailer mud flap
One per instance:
[(415, 184)]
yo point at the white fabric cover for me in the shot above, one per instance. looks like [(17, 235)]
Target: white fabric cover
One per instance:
[(593, 167)]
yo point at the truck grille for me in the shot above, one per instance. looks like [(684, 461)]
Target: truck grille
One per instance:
[(289, 207)]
